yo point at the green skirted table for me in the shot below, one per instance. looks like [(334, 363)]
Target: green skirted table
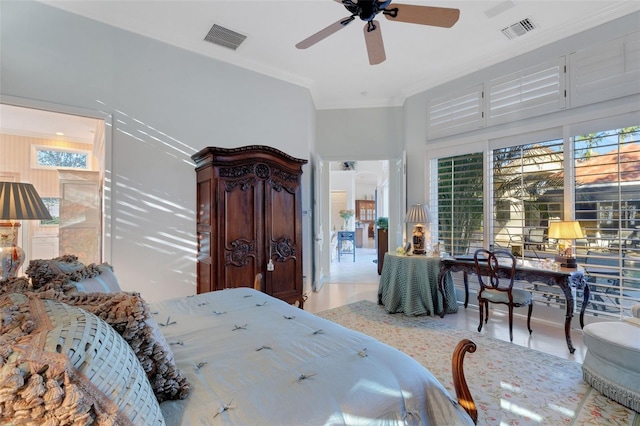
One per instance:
[(409, 284)]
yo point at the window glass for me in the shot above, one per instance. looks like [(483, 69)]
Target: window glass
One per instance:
[(607, 204), (59, 158), (528, 184)]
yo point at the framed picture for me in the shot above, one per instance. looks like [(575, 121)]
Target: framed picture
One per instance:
[(407, 248)]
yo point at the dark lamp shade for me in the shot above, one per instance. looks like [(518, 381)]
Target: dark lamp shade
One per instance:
[(20, 201), (418, 213)]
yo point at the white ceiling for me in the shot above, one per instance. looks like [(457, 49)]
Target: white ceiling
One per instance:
[(337, 70), (36, 123)]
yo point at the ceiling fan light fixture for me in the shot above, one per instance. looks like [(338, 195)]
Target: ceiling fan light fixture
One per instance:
[(367, 10)]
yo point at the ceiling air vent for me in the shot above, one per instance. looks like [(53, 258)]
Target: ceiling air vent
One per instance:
[(519, 28), (225, 37)]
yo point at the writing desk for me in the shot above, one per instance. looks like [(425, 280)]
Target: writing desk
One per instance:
[(525, 271), (409, 284)]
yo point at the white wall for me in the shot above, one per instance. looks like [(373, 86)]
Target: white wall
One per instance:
[(166, 104), (360, 134)]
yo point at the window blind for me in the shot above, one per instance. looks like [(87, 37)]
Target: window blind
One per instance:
[(460, 203)]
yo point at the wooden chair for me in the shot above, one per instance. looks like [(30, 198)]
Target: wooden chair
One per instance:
[(496, 271)]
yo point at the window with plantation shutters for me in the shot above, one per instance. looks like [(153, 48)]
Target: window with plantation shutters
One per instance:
[(605, 71), (607, 204), (457, 113), (527, 93), (460, 203), (527, 192)]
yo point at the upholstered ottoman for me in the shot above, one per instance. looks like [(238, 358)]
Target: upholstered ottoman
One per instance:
[(612, 363)]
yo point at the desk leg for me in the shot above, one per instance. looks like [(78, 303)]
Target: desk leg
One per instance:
[(585, 301), (566, 289), (466, 289)]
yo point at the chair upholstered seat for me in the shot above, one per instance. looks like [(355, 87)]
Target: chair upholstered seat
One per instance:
[(520, 297)]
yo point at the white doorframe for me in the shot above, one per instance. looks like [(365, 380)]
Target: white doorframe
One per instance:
[(397, 195), (397, 201), (321, 258)]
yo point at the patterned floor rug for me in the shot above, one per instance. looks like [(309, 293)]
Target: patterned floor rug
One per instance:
[(511, 385)]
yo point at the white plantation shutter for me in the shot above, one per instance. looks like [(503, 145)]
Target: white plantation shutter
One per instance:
[(527, 93), (457, 113), (606, 71), (607, 204), (460, 202)]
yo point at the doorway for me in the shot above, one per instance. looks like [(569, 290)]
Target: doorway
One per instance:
[(358, 196), (39, 146)]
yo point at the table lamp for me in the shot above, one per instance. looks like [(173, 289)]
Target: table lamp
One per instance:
[(18, 201), (565, 232), (419, 215)]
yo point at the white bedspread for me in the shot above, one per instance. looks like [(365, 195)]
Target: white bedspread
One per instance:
[(252, 359)]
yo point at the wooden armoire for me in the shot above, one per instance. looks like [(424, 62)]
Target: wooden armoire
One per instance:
[(249, 220)]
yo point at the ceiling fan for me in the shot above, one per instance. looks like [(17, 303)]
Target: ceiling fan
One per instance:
[(367, 10)]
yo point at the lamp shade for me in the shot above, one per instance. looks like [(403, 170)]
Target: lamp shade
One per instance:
[(20, 201), (565, 230), (418, 213)]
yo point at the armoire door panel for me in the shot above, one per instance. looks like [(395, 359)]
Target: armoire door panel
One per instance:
[(239, 239), (284, 243)]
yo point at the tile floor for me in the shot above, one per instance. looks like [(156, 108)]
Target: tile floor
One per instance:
[(353, 281)]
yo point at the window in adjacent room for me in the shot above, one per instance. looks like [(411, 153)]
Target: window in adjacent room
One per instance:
[(47, 157)]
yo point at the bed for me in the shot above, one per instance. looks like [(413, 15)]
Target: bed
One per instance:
[(253, 359), (237, 357)]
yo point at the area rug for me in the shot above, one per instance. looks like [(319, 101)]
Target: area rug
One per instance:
[(511, 385)]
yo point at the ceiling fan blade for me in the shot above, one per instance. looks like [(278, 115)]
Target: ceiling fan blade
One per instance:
[(324, 33), (375, 46), (424, 15)]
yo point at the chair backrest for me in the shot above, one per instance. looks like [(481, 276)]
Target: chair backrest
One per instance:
[(498, 267)]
